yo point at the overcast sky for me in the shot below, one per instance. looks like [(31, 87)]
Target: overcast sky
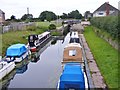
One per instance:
[(19, 7)]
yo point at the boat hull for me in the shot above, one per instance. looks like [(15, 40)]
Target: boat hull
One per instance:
[(18, 59), (6, 69)]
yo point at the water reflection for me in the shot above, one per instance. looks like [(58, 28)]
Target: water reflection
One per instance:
[(4, 83), (22, 66), (35, 56)]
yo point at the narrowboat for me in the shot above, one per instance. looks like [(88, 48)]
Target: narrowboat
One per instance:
[(17, 52), (72, 53), (36, 40), (73, 77), (6, 68)]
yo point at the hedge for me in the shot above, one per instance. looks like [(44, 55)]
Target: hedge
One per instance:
[(109, 24)]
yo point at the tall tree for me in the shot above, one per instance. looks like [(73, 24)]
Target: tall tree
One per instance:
[(47, 15)]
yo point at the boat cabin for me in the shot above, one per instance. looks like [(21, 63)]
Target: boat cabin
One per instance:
[(74, 38), (72, 53), (72, 78), (17, 52), (36, 40)]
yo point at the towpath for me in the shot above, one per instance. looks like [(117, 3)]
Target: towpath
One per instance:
[(97, 78)]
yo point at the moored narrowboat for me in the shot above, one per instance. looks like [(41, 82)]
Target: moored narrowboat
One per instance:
[(36, 40), (17, 52)]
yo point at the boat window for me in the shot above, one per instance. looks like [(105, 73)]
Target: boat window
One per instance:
[(72, 52), (74, 40)]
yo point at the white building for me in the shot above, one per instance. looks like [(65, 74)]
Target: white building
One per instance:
[(105, 10)]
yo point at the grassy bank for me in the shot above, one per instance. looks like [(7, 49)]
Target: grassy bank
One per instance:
[(14, 37), (105, 55), (46, 24)]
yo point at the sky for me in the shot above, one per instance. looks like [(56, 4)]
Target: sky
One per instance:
[(19, 7)]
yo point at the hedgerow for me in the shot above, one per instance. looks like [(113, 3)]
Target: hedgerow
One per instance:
[(109, 24)]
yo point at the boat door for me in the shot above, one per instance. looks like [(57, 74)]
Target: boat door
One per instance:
[(32, 39)]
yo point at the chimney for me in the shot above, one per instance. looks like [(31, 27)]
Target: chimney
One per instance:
[(27, 10), (107, 8)]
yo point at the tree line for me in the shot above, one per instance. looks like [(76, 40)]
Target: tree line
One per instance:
[(48, 16)]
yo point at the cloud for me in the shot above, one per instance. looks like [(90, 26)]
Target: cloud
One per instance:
[(19, 7)]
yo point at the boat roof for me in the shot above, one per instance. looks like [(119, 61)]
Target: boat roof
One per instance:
[(72, 74), (16, 50), (43, 34), (73, 45), (74, 35)]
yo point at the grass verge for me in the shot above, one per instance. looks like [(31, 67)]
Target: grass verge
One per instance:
[(105, 55)]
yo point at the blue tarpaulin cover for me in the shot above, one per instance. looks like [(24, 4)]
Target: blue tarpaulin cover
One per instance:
[(16, 50), (72, 77)]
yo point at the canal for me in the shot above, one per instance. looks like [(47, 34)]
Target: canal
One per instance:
[(41, 70)]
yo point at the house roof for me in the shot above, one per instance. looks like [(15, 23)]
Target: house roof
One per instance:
[(1, 11), (103, 7)]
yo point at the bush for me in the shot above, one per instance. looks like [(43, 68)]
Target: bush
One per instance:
[(52, 26), (108, 24)]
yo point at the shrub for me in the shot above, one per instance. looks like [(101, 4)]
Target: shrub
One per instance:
[(108, 24), (52, 26)]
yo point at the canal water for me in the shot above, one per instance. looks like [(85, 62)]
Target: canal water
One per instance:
[(42, 70)]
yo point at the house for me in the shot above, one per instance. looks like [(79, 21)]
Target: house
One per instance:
[(2, 16), (105, 10), (88, 15)]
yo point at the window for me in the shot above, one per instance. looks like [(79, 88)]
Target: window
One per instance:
[(72, 52), (100, 13)]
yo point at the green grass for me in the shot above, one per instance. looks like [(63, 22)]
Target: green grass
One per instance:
[(14, 37), (106, 57), (55, 33), (46, 24)]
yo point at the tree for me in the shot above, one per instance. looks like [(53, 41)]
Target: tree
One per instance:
[(52, 26), (75, 14), (12, 17), (64, 16), (27, 16), (47, 15)]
